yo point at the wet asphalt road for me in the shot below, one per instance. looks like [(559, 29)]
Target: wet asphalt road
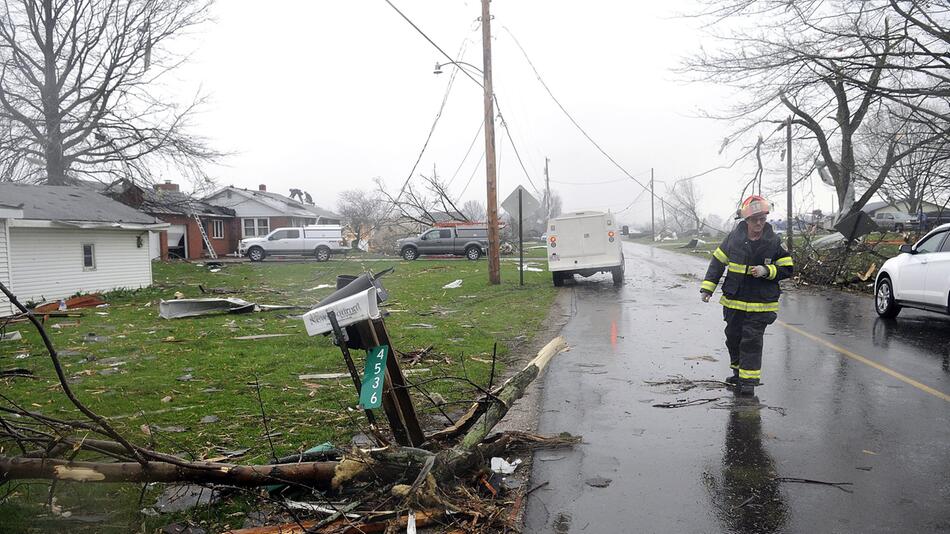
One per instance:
[(717, 467)]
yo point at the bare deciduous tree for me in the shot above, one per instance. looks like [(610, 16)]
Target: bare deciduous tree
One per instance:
[(362, 213), (78, 91), (685, 200), (426, 205), (828, 64), (474, 211)]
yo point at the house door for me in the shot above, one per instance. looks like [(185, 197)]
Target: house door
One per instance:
[(177, 242), (154, 245)]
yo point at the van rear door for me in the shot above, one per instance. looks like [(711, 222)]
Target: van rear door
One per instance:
[(594, 236)]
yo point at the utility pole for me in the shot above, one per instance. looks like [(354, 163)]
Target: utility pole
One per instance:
[(547, 193), (494, 265), (788, 168), (652, 209)]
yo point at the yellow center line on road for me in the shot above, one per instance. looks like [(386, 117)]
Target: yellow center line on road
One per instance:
[(857, 357)]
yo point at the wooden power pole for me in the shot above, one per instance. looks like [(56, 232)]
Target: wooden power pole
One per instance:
[(494, 265)]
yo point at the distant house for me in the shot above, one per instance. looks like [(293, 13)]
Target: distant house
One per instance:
[(56, 241), (183, 238), (261, 211), (872, 208)]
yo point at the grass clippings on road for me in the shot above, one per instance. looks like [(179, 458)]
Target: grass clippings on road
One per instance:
[(157, 379)]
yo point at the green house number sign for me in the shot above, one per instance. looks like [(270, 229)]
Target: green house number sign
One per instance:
[(371, 394)]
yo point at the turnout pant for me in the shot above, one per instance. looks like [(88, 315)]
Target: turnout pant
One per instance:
[(744, 331)]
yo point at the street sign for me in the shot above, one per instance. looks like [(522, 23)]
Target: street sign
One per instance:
[(374, 375), (529, 204)]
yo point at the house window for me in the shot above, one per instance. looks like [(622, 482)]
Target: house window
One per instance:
[(217, 229), (89, 257), (256, 227)]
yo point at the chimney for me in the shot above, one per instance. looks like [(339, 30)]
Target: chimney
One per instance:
[(167, 186), (262, 187)]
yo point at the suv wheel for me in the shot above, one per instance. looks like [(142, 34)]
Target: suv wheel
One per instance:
[(322, 254), (473, 253), (256, 254), (884, 303), (409, 253)]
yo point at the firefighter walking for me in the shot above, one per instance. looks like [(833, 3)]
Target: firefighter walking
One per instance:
[(754, 260)]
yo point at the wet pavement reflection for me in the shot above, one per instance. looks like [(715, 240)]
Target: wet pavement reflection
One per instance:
[(746, 493), (718, 464)]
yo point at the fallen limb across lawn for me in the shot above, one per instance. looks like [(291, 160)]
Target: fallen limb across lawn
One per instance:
[(385, 465), (89, 450)]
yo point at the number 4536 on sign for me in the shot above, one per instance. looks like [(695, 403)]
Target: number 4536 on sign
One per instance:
[(371, 394)]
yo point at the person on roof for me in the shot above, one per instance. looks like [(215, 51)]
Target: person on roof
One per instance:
[(754, 260)]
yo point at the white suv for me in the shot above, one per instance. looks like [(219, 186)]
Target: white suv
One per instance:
[(918, 278), (319, 241)]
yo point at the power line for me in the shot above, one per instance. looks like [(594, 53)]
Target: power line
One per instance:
[(504, 124), (580, 128), (467, 152), (474, 171), (445, 99), (437, 47)]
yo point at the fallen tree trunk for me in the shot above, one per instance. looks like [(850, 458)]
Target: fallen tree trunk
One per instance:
[(317, 474), (382, 465)]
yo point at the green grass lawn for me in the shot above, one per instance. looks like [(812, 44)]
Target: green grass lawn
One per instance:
[(169, 374)]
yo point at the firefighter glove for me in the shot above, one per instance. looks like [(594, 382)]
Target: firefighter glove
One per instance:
[(705, 295), (759, 271)]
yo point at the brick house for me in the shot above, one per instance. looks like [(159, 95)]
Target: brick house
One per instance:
[(260, 211), (183, 238)]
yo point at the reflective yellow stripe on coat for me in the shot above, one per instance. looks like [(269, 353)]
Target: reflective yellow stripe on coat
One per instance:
[(784, 262), (720, 255), (748, 306), (708, 286)]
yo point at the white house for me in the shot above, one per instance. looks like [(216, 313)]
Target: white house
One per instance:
[(261, 211), (57, 241), (872, 208), (7, 213)]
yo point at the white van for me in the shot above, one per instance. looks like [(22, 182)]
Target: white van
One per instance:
[(584, 243), (318, 241)]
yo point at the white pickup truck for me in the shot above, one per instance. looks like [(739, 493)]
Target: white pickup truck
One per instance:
[(584, 243), (319, 241)]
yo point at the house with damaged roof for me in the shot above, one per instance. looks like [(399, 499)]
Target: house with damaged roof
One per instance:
[(184, 214), (260, 211), (56, 241)]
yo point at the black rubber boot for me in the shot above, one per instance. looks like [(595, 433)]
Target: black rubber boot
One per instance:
[(746, 387), (734, 379)]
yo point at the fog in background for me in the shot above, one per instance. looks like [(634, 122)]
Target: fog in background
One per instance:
[(325, 96)]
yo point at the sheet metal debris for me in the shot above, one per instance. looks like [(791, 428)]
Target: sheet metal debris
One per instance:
[(179, 308), (453, 285), (11, 336)]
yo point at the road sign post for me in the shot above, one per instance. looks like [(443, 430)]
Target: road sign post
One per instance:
[(520, 201)]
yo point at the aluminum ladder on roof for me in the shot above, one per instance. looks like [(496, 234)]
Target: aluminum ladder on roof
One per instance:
[(204, 236)]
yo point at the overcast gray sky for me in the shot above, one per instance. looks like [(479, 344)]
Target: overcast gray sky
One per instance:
[(325, 96)]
